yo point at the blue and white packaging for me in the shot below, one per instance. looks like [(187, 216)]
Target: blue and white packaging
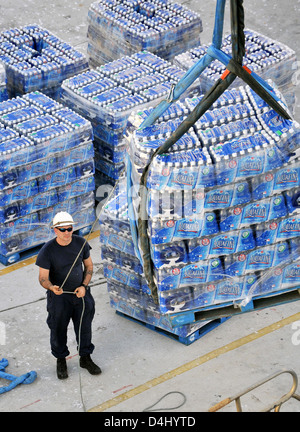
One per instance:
[(229, 290), (230, 219), (216, 205), (40, 174), (292, 199), (190, 274), (198, 249), (266, 233), (260, 259), (235, 264), (289, 228), (169, 255), (234, 241), (36, 60), (287, 177), (255, 213), (262, 186), (290, 275)]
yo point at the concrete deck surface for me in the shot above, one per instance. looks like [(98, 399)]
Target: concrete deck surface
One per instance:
[(139, 365)]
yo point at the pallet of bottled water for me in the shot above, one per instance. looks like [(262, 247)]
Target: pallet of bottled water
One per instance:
[(223, 203), (36, 59), (178, 310), (265, 56), (120, 28), (107, 95), (47, 165), (127, 288)]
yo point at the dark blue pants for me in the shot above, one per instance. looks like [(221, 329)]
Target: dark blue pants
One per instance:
[(63, 308)]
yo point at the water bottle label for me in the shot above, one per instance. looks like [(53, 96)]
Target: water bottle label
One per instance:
[(255, 213), (270, 281), (277, 207), (229, 290), (250, 165), (218, 198), (287, 178), (290, 276), (188, 228), (260, 259), (289, 228), (183, 178), (224, 244)]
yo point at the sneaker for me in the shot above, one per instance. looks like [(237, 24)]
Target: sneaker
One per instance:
[(87, 363), (61, 368)]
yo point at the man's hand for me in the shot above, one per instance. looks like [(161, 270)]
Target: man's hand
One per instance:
[(56, 289), (80, 291)]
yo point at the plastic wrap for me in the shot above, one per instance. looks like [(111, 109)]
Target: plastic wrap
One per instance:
[(47, 165), (127, 288), (107, 96), (118, 29), (35, 59), (267, 57), (222, 208)]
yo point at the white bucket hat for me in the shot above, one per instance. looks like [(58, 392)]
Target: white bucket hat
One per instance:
[(62, 219)]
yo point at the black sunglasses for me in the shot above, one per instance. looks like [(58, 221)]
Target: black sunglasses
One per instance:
[(65, 229)]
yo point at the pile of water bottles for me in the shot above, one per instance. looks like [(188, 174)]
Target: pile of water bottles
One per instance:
[(120, 28), (107, 95), (265, 56), (128, 289), (46, 166), (35, 59), (222, 208)]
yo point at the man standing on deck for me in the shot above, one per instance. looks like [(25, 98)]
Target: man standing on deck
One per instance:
[(67, 302)]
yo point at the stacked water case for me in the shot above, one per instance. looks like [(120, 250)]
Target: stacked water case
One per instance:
[(107, 95), (267, 57), (127, 288), (120, 28), (35, 59), (46, 159), (222, 209)]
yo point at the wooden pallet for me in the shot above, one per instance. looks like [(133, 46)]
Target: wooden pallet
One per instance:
[(229, 309), (34, 250), (186, 340)]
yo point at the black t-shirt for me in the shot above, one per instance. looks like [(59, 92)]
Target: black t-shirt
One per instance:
[(59, 259)]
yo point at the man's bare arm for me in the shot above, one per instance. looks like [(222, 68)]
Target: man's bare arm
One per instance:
[(46, 283), (88, 270)]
